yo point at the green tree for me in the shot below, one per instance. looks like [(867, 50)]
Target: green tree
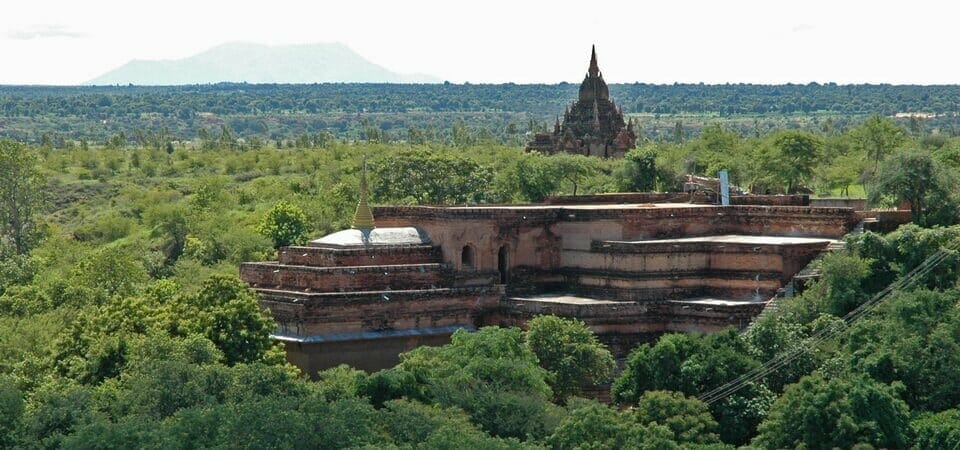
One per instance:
[(94, 346), (286, 224), (639, 173), (163, 375), (573, 168), (110, 271), (842, 172), (774, 335), (919, 179), (412, 423), (11, 411), (461, 134), (59, 410), (226, 312), (532, 176), (913, 343), (841, 286), (227, 139), (836, 413), (692, 365), (591, 425), (570, 352), (21, 194), (168, 224), (799, 153), (877, 137), (680, 362), (489, 373), (429, 178), (937, 431), (688, 418)]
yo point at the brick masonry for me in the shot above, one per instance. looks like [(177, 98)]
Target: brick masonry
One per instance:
[(363, 305)]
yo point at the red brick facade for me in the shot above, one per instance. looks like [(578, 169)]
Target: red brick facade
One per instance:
[(631, 271)]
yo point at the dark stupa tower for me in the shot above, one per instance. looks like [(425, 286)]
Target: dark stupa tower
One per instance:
[(593, 125)]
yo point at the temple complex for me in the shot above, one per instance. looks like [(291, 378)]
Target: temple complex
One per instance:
[(592, 126), (632, 266)]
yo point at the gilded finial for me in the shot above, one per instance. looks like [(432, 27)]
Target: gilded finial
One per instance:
[(363, 218)]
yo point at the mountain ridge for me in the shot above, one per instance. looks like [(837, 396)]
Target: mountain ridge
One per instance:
[(258, 63)]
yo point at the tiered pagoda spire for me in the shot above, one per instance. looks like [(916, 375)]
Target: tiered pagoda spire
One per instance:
[(593, 125), (594, 70)]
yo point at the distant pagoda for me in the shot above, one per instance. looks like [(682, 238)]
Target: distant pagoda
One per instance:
[(592, 126)]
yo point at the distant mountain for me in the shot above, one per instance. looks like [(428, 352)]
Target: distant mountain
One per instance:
[(255, 63)]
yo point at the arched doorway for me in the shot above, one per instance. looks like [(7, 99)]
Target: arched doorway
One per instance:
[(503, 264), (467, 258)]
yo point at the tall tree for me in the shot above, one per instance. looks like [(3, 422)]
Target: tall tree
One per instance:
[(425, 177), (21, 194), (836, 413), (877, 137), (639, 173), (225, 310), (799, 152), (919, 179), (570, 352), (285, 224), (574, 168)]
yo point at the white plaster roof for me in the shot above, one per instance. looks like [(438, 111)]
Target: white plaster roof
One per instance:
[(390, 236)]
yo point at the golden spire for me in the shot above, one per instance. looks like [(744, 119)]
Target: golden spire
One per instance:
[(363, 218)]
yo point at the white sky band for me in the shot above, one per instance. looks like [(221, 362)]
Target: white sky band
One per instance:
[(69, 42)]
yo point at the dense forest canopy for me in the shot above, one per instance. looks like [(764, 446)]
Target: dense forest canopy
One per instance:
[(123, 323), (272, 112)]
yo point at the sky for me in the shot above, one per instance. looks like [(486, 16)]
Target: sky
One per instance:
[(495, 41)]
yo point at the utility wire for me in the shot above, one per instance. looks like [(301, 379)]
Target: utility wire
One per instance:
[(828, 333)]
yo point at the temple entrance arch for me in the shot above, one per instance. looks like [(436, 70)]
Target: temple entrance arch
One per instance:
[(503, 264), (467, 258)]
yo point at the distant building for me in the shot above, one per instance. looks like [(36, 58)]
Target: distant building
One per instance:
[(592, 126)]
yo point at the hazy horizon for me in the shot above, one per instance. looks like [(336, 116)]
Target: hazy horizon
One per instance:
[(68, 43)]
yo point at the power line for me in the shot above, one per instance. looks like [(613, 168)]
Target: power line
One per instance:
[(829, 333)]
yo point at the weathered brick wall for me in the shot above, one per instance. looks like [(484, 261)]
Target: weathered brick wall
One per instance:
[(771, 200), (530, 240), (365, 354), (544, 249), (677, 285), (857, 204), (628, 197), (310, 314), (355, 278), (657, 223), (452, 227), (331, 257), (642, 271), (675, 197), (553, 241), (887, 220)]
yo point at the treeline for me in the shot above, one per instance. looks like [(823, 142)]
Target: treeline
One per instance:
[(272, 112), (538, 99)]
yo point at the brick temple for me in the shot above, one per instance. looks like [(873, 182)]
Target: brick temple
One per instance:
[(632, 266), (593, 125)]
